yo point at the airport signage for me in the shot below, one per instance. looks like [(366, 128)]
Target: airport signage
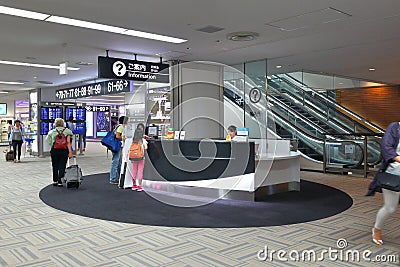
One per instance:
[(94, 89), (98, 108), (119, 68)]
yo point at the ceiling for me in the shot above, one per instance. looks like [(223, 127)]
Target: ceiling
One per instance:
[(340, 37)]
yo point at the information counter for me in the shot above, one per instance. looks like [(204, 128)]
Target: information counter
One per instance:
[(218, 169)]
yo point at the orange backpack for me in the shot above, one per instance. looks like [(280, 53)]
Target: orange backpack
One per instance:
[(136, 152)]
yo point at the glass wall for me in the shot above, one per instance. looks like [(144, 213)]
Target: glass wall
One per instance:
[(245, 91)]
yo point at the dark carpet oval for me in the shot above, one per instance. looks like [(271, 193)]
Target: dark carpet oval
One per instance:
[(96, 198)]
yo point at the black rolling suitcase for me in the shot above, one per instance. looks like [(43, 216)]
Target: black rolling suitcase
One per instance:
[(10, 155), (73, 175)]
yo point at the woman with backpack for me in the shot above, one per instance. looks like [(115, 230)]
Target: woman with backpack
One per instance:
[(136, 155), (60, 141)]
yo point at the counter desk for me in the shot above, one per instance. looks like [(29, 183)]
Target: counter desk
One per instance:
[(217, 169)]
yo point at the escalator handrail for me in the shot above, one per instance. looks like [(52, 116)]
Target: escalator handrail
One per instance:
[(320, 141), (321, 102), (317, 111), (320, 130), (335, 104)]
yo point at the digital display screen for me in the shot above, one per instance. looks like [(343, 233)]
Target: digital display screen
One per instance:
[(103, 123), (47, 117), (79, 114), (152, 130), (50, 113), (3, 109), (46, 127)]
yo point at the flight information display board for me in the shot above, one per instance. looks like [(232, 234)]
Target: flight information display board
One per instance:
[(47, 117), (49, 113), (79, 115), (46, 127)]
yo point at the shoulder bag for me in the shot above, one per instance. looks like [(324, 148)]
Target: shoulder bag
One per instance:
[(388, 181), (111, 142)]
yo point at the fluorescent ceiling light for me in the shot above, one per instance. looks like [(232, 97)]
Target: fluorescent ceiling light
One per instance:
[(86, 24), (22, 13), (154, 36), (6, 62), (3, 92), (2, 82), (107, 100)]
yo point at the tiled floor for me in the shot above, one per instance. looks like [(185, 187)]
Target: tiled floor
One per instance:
[(33, 234)]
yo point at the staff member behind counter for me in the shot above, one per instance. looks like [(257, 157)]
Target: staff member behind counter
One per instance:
[(231, 136)]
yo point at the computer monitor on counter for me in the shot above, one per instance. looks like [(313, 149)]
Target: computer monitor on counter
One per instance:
[(152, 131), (242, 135)]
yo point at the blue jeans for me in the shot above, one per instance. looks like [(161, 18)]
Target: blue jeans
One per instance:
[(116, 166), (83, 140)]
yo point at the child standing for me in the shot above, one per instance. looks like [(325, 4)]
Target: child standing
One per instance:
[(136, 155)]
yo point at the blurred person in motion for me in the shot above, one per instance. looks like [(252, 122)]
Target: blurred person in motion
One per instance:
[(391, 164)]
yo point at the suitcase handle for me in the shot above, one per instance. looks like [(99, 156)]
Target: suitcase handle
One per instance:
[(69, 163)]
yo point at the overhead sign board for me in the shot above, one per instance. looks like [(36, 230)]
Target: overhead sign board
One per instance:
[(94, 89), (98, 108), (119, 68)]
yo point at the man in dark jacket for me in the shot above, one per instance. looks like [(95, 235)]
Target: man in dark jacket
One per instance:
[(390, 141)]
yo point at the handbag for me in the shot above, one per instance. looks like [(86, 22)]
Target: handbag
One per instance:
[(111, 142), (388, 181)]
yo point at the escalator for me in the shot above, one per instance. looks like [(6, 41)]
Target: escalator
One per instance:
[(310, 128)]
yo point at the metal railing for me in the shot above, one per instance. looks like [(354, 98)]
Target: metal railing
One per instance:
[(361, 143)]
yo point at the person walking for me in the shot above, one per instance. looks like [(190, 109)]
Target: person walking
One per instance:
[(16, 139), (82, 139), (391, 164), (9, 129), (116, 161), (136, 156), (60, 141), (71, 125)]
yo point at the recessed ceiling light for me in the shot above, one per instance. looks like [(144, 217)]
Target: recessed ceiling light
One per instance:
[(86, 24), (340, 83), (25, 64), (278, 66), (35, 77), (371, 69), (3, 82)]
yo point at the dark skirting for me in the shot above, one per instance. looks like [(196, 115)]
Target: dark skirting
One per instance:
[(96, 198)]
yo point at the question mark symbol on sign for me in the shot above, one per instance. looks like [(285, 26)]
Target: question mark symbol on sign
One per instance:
[(119, 68), (255, 95)]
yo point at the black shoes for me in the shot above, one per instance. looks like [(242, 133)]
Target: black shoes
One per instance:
[(370, 193)]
